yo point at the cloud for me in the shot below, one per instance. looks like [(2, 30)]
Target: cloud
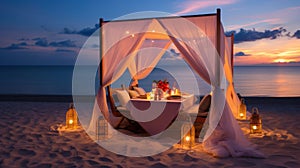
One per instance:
[(65, 43), (172, 55), (23, 39), (16, 46), (252, 35), (241, 54), (238, 26), (192, 5), (43, 42), (84, 32), (64, 50), (297, 34)]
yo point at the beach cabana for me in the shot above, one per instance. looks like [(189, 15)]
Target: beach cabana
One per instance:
[(202, 44)]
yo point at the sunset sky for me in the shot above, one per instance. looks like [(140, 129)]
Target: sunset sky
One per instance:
[(51, 32)]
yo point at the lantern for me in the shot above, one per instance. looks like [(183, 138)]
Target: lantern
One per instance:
[(101, 128), (71, 117), (187, 135), (242, 110), (255, 122)]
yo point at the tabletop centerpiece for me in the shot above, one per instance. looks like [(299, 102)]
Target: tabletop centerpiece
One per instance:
[(160, 89)]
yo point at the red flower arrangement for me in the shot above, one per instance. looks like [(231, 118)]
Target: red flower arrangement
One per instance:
[(163, 85)]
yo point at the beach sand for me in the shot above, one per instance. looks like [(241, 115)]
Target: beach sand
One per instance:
[(29, 138)]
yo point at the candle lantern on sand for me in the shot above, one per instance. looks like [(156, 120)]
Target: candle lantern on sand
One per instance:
[(242, 110), (71, 117), (101, 128), (187, 135), (255, 122)]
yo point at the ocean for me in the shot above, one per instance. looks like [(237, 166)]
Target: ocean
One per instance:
[(269, 81)]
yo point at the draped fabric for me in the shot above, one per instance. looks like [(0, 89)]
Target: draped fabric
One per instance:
[(146, 58), (201, 55), (126, 44), (191, 40), (115, 61), (231, 95), (222, 126), (227, 139)]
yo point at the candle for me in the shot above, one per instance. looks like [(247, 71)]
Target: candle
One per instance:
[(254, 127)]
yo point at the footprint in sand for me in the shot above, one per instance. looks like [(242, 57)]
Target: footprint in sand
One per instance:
[(292, 164), (65, 153), (104, 159), (283, 157), (26, 152), (160, 165), (244, 163), (92, 163)]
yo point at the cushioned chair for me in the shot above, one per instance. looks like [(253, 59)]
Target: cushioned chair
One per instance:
[(199, 113), (116, 108), (118, 98)]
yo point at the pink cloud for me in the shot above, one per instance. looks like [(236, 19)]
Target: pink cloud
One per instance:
[(192, 5), (270, 21), (286, 16)]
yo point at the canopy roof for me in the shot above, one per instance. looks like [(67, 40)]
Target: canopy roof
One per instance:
[(138, 45)]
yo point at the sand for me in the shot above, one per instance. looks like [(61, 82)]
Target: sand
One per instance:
[(29, 138)]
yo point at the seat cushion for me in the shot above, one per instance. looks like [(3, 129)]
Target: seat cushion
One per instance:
[(140, 90), (123, 97), (133, 93)]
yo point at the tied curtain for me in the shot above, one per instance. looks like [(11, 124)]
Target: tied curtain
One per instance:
[(122, 48), (223, 137), (233, 100), (118, 43), (196, 40)]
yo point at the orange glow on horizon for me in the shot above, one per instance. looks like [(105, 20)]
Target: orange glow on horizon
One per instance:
[(266, 51), (281, 61)]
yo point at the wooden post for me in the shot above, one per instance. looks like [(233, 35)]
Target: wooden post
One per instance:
[(101, 50), (232, 49), (218, 47)]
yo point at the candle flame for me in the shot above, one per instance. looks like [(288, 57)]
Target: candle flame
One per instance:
[(254, 127), (71, 121), (187, 138)]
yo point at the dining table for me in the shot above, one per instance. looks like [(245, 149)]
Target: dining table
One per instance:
[(156, 116)]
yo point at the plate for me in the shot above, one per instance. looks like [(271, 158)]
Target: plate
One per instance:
[(174, 97)]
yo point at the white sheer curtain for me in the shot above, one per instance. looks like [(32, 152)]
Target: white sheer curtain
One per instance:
[(232, 98), (201, 55), (147, 57), (223, 137), (119, 40), (228, 139)]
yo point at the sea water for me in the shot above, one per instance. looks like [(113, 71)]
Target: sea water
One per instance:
[(271, 81)]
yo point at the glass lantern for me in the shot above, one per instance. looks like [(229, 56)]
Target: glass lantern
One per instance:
[(187, 135), (101, 128), (71, 117), (242, 110), (255, 122)]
